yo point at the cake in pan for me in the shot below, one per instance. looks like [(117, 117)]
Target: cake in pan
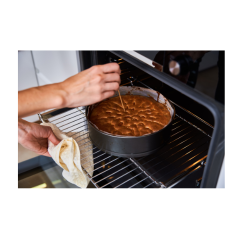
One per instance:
[(142, 116)]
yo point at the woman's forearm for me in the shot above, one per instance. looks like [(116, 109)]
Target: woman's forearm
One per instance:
[(85, 88), (34, 100)]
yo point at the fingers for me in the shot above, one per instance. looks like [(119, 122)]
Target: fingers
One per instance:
[(53, 138), (112, 77), (107, 94), (111, 68), (111, 86)]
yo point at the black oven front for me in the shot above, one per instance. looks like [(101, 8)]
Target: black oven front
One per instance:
[(194, 155)]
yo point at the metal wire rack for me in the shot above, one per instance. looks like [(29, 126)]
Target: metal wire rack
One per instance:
[(185, 152)]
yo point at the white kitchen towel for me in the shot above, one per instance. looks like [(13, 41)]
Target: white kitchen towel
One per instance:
[(68, 154)]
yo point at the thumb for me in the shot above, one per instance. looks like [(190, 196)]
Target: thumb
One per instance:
[(53, 138)]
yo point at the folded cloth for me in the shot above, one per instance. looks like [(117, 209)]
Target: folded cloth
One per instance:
[(68, 155)]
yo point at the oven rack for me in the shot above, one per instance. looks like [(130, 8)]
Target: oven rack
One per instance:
[(107, 168), (185, 153)]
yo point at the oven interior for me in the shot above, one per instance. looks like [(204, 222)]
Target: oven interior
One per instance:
[(179, 164)]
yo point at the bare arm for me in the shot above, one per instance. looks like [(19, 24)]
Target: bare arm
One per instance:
[(85, 88), (34, 100)]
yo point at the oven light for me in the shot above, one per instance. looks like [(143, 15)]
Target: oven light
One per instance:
[(44, 185), (56, 182)]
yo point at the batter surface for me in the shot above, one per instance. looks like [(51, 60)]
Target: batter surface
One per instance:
[(143, 115)]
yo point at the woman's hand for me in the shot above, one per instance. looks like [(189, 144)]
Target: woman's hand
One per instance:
[(85, 88), (35, 137), (92, 85)]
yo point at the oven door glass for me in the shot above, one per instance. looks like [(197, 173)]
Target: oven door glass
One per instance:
[(43, 175)]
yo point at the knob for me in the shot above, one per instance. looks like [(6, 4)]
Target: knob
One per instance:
[(180, 65)]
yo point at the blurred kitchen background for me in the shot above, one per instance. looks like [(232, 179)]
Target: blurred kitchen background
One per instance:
[(38, 68)]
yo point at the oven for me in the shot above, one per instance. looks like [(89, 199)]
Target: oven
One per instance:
[(194, 155)]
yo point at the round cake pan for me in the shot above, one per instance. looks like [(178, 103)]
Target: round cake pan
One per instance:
[(132, 146)]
